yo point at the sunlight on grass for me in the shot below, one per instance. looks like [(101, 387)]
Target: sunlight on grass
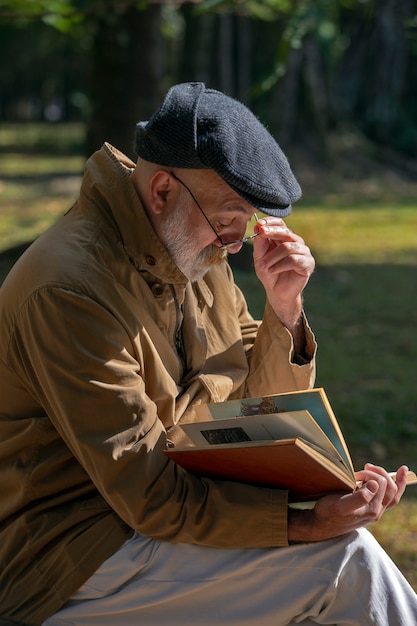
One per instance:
[(15, 165), (397, 533), (44, 137), (29, 208), (40, 174), (362, 234)]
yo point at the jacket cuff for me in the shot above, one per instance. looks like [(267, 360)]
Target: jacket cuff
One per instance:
[(276, 327)]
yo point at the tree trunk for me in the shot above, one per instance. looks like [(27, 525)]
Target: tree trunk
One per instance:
[(225, 52), (316, 101), (244, 55), (125, 77), (195, 62), (374, 73)]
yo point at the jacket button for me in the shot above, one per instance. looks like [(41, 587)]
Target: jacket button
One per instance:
[(157, 289), (150, 260)]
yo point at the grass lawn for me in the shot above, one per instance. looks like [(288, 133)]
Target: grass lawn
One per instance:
[(40, 168), (361, 300)]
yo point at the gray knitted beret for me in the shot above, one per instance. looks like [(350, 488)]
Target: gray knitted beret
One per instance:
[(200, 128)]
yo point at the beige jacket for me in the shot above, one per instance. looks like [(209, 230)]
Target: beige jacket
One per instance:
[(91, 384)]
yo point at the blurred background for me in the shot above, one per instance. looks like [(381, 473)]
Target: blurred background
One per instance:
[(335, 81), (308, 68)]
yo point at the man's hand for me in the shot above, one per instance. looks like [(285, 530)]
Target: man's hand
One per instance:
[(335, 515), (283, 264)]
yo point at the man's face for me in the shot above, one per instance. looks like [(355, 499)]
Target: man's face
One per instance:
[(192, 236), (178, 232)]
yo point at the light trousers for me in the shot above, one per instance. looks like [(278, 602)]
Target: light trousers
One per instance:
[(348, 581)]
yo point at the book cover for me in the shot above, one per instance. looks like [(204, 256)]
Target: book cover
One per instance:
[(290, 441)]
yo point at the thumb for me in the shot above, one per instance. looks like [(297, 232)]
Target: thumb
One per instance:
[(372, 486)]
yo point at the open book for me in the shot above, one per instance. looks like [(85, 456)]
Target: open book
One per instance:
[(290, 441)]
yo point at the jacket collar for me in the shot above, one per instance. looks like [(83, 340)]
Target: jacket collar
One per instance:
[(107, 176)]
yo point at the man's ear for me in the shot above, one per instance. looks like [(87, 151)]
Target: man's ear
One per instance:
[(160, 190)]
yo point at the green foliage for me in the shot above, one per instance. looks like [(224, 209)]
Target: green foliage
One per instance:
[(260, 9), (64, 15), (172, 22), (58, 13)]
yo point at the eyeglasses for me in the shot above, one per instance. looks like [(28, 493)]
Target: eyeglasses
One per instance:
[(223, 245)]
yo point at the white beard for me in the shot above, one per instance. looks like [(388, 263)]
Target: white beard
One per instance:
[(178, 237)]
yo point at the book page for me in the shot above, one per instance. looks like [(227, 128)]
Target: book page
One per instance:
[(262, 428), (314, 401)]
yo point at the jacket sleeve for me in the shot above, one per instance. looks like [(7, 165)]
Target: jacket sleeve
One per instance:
[(99, 417), (270, 352)]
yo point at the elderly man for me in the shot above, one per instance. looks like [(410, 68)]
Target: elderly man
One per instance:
[(114, 325)]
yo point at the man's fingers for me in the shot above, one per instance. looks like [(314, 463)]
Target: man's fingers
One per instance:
[(367, 493)]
